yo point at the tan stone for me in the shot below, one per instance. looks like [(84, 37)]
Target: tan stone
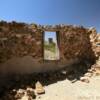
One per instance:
[(85, 79), (97, 72), (39, 88), (88, 74)]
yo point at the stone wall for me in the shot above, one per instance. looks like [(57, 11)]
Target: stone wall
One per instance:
[(20, 40), (95, 41), (75, 43), (17, 39)]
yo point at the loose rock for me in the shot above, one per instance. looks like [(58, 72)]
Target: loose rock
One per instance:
[(88, 74), (39, 88), (84, 79), (31, 94)]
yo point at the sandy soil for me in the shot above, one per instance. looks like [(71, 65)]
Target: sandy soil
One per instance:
[(48, 55), (65, 90), (51, 55)]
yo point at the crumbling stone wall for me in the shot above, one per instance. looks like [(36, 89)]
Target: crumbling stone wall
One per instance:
[(20, 39), (75, 43), (95, 41)]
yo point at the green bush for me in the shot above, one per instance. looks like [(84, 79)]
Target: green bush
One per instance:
[(51, 46)]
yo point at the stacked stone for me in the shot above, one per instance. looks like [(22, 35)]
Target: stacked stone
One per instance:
[(20, 39), (75, 43), (17, 39), (95, 41)]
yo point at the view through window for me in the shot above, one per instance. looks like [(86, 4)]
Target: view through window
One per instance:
[(51, 50)]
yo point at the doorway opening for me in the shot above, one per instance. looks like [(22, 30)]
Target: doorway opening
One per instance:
[(51, 48)]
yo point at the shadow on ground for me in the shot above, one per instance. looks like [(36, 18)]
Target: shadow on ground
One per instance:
[(11, 82)]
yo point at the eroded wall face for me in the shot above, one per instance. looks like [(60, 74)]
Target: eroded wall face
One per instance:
[(95, 41), (75, 43), (18, 40)]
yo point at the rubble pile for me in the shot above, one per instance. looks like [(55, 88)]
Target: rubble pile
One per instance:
[(93, 71), (28, 93), (29, 87), (95, 41), (95, 68)]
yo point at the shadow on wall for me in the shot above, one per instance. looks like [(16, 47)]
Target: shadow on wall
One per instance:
[(29, 64)]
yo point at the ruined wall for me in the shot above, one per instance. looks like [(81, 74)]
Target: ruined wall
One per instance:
[(95, 41), (20, 40), (75, 43)]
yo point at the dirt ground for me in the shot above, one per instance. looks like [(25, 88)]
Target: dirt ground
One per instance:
[(58, 85), (65, 90)]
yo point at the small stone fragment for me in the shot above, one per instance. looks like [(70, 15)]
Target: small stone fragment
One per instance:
[(21, 91), (64, 72), (31, 94), (88, 74), (90, 70), (30, 98), (97, 72), (84, 79), (29, 89), (25, 97), (20, 94), (39, 88)]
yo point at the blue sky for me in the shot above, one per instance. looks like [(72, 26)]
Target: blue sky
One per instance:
[(50, 35), (78, 12)]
